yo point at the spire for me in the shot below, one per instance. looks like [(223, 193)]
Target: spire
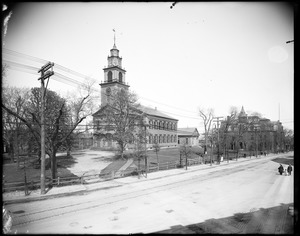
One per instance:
[(242, 113), (114, 47)]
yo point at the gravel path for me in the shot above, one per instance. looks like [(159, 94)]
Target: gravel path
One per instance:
[(90, 162)]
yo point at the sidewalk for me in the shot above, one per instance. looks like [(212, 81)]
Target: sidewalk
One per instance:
[(19, 196)]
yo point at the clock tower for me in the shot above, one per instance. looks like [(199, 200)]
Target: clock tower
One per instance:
[(114, 75)]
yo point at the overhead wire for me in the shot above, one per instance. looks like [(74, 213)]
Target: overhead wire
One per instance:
[(83, 76), (73, 82), (65, 79)]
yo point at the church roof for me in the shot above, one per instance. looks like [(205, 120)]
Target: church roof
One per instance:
[(148, 110), (187, 132), (154, 112)]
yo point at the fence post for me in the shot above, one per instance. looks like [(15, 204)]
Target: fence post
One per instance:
[(112, 174), (31, 184), (58, 179), (81, 179), (157, 166)]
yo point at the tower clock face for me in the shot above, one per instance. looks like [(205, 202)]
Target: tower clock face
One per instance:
[(115, 61), (108, 91)]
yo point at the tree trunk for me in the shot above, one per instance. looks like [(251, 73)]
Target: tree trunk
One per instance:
[(53, 165), (68, 151), (237, 150), (17, 152), (11, 152)]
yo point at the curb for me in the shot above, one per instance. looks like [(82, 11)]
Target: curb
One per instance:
[(87, 190)]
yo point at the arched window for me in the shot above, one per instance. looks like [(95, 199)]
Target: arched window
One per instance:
[(120, 77), (109, 76)]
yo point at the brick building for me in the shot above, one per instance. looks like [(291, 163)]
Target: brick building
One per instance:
[(161, 128), (252, 133)]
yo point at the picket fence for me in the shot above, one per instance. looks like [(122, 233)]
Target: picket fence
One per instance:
[(88, 179)]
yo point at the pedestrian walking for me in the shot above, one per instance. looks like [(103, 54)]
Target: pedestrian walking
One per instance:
[(289, 169), (280, 169)]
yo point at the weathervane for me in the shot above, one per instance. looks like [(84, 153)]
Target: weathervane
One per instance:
[(114, 37)]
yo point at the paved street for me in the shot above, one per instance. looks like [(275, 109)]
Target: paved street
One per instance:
[(165, 200)]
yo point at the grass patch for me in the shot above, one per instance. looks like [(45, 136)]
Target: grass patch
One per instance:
[(11, 173), (284, 160)]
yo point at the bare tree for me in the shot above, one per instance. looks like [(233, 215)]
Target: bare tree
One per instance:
[(14, 133), (121, 119), (140, 148), (207, 117), (60, 123), (224, 133), (156, 149), (185, 151)]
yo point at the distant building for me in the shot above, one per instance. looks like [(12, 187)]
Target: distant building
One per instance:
[(252, 133), (83, 140), (189, 136), (161, 128)]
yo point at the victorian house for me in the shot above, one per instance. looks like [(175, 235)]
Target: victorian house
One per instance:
[(161, 128), (253, 134)]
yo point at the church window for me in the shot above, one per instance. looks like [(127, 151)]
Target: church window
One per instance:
[(109, 76), (120, 77)]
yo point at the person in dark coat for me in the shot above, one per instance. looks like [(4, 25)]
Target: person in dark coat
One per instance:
[(289, 169), (280, 169)]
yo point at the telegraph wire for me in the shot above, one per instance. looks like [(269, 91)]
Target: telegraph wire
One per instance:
[(67, 80), (84, 76), (166, 105), (14, 53)]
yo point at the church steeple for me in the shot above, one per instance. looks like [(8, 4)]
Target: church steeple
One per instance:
[(242, 113), (114, 74)]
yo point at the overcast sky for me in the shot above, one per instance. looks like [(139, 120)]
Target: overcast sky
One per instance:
[(208, 55)]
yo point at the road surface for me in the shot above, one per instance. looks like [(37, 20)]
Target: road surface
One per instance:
[(190, 197)]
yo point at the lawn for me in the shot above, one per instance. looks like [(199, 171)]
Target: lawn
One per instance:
[(170, 155), (11, 173)]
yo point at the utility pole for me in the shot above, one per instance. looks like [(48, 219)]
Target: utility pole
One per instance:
[(218, 117), (43, 92), (255, 129)]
